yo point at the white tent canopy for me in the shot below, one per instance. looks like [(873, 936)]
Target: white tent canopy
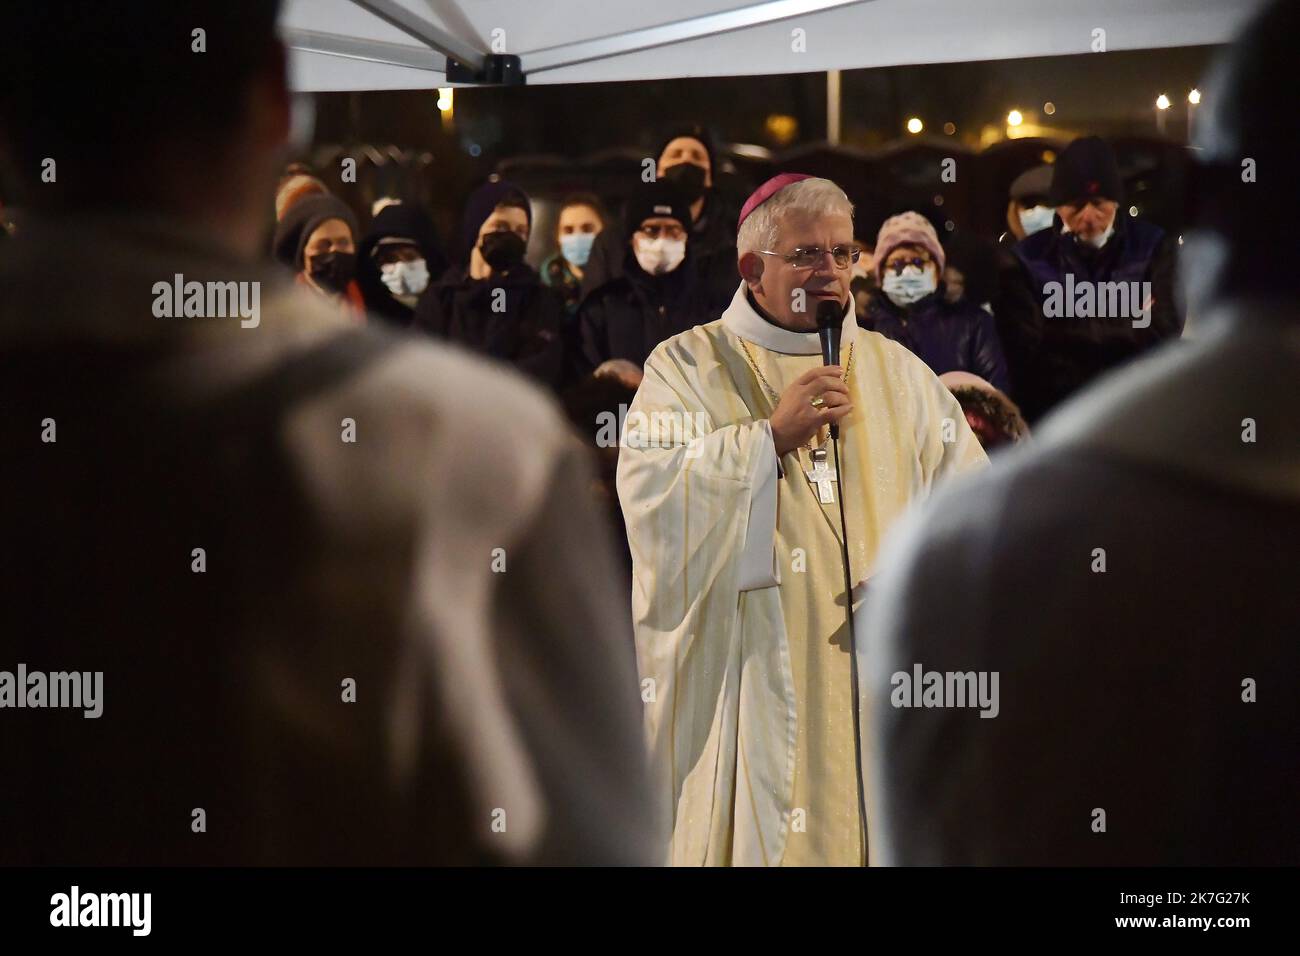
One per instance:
[(403, 44)]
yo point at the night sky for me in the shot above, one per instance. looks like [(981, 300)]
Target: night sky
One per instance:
[(559, 127)]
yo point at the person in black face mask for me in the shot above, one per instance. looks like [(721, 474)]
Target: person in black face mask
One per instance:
[(686, 161), (317, 238), (494, 302)]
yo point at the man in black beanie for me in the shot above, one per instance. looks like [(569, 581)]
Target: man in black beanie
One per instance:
[(1129, 577), (1091, 291), (660, 292)]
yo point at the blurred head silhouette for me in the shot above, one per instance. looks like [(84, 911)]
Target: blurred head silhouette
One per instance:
[(1244, 196), (154, 107)]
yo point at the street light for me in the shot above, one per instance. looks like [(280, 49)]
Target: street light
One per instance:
[(1193, 101), (914, 125), (1014, 118), (447, 107), (1162, 104)]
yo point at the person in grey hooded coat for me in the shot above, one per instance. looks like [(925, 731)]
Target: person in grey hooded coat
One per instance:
[(1123, 589)]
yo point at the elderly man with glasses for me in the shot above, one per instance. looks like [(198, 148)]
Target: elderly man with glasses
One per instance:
[(732, 496)]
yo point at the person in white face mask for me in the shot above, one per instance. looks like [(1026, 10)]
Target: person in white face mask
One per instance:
[(910, 308), (660, 292), (403, 270), (1029, 210), (398, 260), (659, 245), (1090, 293)]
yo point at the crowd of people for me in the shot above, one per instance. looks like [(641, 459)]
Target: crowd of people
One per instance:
[(615, 284), (351, 602)]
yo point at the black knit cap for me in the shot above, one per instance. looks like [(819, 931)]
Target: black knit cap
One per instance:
[(1086, 169), (301, 221), (693, 131), (652, 200), (480, 206), (403, 220)]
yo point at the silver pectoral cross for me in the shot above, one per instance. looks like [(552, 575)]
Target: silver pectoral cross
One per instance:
[(822, 474)]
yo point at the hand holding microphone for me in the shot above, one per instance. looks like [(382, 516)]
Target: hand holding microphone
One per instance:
[(830, 319)]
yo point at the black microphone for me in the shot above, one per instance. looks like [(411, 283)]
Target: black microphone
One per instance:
[(830, 317)]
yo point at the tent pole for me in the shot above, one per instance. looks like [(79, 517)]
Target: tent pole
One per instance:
[(373, 51), (833, 107), (394, 14), (681, 31)]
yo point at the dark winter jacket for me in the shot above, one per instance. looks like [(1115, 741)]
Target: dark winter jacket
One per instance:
[(628, 316), (1053, 352), (510, 317), (948, 337)]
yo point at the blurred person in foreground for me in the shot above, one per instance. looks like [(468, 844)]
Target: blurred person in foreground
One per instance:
[(732, 510), (273, 534), (1129, 575)]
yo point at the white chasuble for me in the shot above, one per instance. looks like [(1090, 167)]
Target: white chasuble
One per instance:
[(738, 587)]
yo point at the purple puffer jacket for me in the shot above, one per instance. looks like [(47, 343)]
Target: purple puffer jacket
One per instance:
[(948, 337)]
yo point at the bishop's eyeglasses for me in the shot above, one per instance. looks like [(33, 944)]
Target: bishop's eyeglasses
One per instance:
[(806, 257)]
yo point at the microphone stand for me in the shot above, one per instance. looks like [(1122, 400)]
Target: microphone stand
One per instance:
[(853, 647), (830, 318)]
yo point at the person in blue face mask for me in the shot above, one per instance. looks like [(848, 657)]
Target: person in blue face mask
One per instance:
[(910, 307), (581, 220)]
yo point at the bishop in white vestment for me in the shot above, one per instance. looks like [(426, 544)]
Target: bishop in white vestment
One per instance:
[(730, 492)]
